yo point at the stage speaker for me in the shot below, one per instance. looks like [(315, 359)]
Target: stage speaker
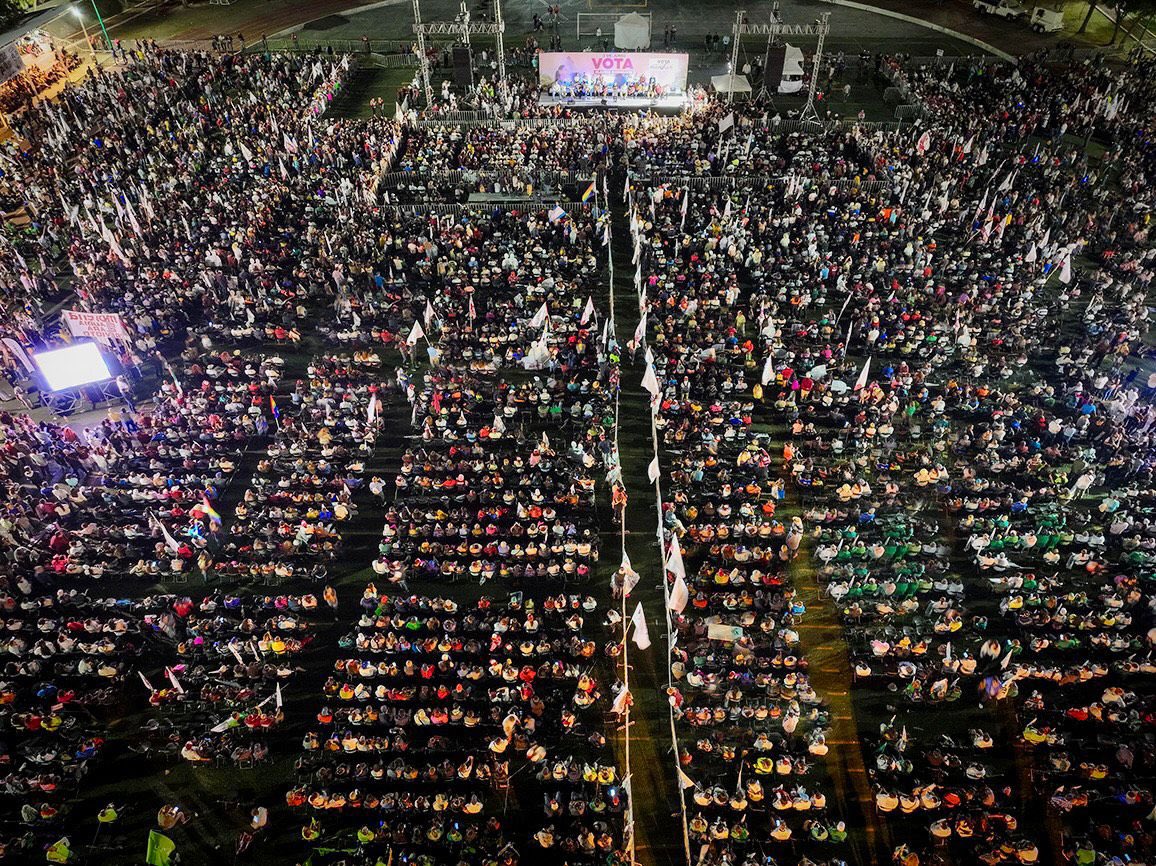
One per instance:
[(776, 60), (463, 67)]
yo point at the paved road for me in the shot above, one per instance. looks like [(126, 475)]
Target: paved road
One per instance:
[(851, 30)]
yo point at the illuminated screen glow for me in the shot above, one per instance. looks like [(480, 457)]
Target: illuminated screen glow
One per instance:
[(72, 367)]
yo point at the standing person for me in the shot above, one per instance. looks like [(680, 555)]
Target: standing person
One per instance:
[(124, 386)]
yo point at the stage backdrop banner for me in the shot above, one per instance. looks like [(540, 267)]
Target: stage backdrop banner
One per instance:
[(100, 326), (667, 70)]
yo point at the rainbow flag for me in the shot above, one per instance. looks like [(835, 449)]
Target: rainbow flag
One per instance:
[(214, 517), (589, 194), (273, 407)]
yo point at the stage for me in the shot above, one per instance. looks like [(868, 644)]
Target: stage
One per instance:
[(675, 102)]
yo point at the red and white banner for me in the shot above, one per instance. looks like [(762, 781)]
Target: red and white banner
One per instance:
[(100, 326), (615, 69)]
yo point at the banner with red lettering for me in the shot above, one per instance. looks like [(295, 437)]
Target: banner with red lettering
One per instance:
[(614, 69), (100, 326)]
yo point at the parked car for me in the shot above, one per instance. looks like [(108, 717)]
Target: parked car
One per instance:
[(1046, 20), (1002, 8)]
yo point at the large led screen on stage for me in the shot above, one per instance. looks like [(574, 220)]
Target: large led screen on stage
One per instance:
[(616, 70)]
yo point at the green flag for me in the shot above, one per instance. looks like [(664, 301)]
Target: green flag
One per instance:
[(159, 850), (59, 851)]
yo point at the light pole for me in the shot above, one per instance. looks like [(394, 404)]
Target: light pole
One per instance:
[(100, 21), (84, 26)]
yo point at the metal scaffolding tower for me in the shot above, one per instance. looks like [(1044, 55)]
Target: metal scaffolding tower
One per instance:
[(820, 29), (462, 28)]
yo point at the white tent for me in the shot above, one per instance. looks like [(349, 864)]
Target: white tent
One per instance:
[(632, 32), (792, 80), (730, 84)]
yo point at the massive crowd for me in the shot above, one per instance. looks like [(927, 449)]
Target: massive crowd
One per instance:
[(896, 374)]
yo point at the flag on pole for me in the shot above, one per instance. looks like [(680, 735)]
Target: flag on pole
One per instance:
[(622, 701), (630, 577), (640, 331), (429, 312), (540, 317), (173, 679), (473, 312), (653, 470), (684, 780), (650, 383), (679, 595), (160, 849), (861, 382), (924, 143), (768, 371), (589, 194), (59, 851), (588, 312), (641, 632), (210, 512), (674, 563), (277, 696), (170, 542), (1066, 270), (415, 334), (144, 680), (371, 409), (274, 408), (726, 123), (556, 213)]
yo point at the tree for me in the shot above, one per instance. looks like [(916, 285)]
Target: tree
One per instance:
[(11, 11), (1091, 11), (1120, 9), (1142, 12)]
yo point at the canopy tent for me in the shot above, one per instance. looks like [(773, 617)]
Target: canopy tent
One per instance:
[(632, 32), (730, 84), (792, 80)]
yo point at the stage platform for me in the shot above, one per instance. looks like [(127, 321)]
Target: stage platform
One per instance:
[(628, 103)]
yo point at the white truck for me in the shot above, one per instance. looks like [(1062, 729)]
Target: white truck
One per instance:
[(1010, 9), (1046, 20)]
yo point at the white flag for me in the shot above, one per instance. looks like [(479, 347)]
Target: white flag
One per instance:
[(726, 123), (169, 540), (622, 700), (277, 696), (768, 370), (144, 680), (429, 312), (173, 679), (650, 382), (540, 317), (674, 563), (641, 632), (861, 382), (1032, 255), (640, 331), (630, 577), (652, 471), (245, 152), (415, 334), (684, 780), (679, 595), (1066, 270), (371, 409), (588, 312)]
